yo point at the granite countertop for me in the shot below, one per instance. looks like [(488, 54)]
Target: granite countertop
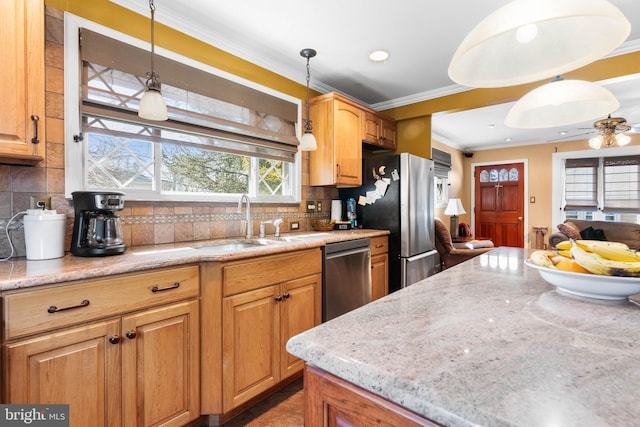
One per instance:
[(489, 343), (21, 273)]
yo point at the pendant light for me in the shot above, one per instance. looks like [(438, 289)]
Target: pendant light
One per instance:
[(560, 103), (308, 142), (152, 106), (531, 40)]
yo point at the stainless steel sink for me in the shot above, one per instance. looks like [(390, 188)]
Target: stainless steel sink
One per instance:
[(303, 237), (234, 245)]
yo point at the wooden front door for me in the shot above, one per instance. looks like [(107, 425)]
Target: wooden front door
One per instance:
[(499, 203)]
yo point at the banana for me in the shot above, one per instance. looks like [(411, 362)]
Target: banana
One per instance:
[(565, 253), (542, 258), (591, 245), (616, 253), (565, 245), (596, 264)]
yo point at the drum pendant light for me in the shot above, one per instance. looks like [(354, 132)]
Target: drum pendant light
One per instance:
[(152, 106), (308, 142), (531, 40), (561, 103)]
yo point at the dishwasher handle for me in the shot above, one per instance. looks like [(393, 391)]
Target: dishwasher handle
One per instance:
[(347, 253)]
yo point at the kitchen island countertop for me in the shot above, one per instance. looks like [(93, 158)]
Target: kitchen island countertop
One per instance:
[(489, 343), (20, 273)]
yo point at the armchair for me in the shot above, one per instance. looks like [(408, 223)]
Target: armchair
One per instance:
[(450, 255)]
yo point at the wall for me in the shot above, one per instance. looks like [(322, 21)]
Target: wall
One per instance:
[(539, 159), (143, 222)]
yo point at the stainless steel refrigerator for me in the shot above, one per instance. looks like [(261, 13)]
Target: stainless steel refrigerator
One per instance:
[(398, 195)]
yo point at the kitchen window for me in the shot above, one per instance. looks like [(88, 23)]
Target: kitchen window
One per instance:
[(597, 188), (224, 137)]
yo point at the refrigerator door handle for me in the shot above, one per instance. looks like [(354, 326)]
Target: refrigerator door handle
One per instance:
[(418, 267)]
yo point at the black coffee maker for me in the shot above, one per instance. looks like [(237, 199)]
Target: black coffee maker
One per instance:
[(97, 230)]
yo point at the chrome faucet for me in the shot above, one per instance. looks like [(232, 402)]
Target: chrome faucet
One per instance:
[(249, 227), (276, 224)]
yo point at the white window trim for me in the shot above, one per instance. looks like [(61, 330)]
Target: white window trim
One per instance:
[(558, 215), (74, 164)]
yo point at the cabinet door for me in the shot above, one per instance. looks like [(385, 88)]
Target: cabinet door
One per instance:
[(370, 128), (160, 366), (249, 345), (379, 276), (348, 144), (78, 366), (22, 81), (388, 134), (300, 309)]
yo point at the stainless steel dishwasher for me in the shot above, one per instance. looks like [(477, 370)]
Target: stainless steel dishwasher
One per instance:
[(347, 277)]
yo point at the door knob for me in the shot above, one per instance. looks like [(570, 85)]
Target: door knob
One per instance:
[(519, 218)]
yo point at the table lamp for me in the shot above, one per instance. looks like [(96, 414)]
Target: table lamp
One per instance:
[(454, 208)]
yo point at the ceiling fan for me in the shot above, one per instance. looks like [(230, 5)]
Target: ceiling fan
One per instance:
[(610, 131)]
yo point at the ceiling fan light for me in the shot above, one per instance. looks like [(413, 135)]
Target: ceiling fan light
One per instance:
[(595, 142), (561, 103), (622, 139), (504, 50)]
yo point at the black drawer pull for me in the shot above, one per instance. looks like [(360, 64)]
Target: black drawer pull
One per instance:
[(54, 309), (168, 288), (35, 120)]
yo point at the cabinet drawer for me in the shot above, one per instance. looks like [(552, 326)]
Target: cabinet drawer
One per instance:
[(256, 273), (35, 311), (379, 245)]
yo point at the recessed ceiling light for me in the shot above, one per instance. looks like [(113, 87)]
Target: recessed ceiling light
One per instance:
[(378, 55), (563, 132), (507, 139), (492, 126)]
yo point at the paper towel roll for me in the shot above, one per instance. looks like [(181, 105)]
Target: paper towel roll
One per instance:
[(336, 210)]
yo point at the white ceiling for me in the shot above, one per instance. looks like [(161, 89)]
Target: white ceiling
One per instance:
[(420, 35)]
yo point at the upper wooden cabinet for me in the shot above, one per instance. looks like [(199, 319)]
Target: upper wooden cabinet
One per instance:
[(378, 130), (22, 137), (337, 126), (341, 127)]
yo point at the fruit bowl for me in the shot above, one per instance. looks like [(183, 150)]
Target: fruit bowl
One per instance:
[(589, 285)]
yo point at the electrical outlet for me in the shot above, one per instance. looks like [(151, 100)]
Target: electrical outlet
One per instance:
[(311, 206), (294, 225), (319, 206), (40, 202)]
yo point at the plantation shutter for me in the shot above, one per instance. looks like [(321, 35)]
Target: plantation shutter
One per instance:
[(581, 184), (622, 184)]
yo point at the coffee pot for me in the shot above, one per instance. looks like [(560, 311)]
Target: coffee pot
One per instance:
[(97, 230)]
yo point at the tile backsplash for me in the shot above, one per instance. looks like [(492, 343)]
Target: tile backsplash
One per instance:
[(144, 223)]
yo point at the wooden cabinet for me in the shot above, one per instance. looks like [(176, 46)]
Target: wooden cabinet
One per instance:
[(331, 401), (379, 267), (260, 303), (337, 126), (378, 131), (82, 344), (22, 112)]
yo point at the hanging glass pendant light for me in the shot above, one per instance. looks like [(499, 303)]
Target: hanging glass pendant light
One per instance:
[(308, 142), (531, 40), (560, 103), (152, 106)]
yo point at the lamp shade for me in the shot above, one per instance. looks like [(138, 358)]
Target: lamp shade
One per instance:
[(531, 40), (152, 106), (560, 103), (308, 142), (454, 207)]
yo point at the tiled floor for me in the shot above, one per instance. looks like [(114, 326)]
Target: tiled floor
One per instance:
[(282, 409)]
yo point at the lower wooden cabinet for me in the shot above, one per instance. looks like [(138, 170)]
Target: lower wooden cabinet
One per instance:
[(379, 267), (137, 368), (257, 326), (331, 401), (250, 308)]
